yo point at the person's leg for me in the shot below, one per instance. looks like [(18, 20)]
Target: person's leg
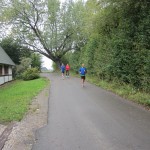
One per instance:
[(83, 80), (62, 75), (68, 73)]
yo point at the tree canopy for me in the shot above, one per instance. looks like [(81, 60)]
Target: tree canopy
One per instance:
[(48, 27)]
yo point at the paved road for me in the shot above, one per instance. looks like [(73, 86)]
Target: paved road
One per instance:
[(91, 118)]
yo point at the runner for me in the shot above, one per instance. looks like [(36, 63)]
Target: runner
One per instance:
[(82, 71), (62, 70), (67, 70)]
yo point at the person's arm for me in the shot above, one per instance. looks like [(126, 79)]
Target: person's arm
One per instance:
[(80, 70)]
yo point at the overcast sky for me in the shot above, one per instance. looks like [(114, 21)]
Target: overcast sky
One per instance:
[(47, 62)]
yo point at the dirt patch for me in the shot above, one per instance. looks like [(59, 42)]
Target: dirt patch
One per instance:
[(22, 136)]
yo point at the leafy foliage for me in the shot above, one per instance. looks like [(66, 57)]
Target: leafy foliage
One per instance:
[(22, 67), (36, 61), (30, 74), (47, 27), (118, 44)]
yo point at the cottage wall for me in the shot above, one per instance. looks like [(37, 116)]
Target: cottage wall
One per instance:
[(1, 80), (6, 77), (5, 67)]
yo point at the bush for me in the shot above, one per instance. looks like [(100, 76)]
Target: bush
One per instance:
[(30, 74)]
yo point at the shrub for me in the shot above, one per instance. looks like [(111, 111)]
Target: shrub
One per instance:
[(30, 74), (25, 63)]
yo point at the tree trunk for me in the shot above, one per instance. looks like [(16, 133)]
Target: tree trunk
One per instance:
[(58, 63)]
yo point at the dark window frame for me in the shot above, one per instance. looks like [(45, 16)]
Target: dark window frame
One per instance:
[(1, 69), (6, 69)]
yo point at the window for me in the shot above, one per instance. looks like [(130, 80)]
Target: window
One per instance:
[(1, 70), (6, 69)]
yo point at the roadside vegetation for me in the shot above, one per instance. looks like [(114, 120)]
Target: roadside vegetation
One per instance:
[(116, 52), (15, 98), (124, 90)]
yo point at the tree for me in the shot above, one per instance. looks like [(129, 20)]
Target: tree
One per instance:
[(36, 61), (25, 63), (47, 27)]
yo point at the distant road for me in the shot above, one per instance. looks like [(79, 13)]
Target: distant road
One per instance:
[(91, 118)]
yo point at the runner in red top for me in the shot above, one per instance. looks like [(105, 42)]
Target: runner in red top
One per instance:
[(67, 70)]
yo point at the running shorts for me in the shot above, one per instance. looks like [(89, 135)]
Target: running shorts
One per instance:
[(83, 77)]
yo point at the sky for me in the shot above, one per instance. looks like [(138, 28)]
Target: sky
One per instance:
[(47, 62)]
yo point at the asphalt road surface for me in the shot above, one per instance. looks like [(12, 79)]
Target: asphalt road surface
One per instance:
[(91, 118)]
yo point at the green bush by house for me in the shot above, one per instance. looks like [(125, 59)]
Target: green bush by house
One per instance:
[(30, 74)]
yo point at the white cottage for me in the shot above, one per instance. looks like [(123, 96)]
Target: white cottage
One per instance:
[(6, 65)]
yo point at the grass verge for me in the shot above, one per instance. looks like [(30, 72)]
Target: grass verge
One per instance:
[(16, 96), (123, 90)]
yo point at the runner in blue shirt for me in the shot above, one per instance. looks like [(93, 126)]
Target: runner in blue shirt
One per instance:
[(62, 70), (82, 72)]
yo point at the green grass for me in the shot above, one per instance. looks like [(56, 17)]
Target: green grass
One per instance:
[(16, 96), (123, 90)]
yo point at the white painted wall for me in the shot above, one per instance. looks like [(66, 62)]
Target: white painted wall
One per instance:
[(4, 79), (1, 80), (10, 78), (10, 70)]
